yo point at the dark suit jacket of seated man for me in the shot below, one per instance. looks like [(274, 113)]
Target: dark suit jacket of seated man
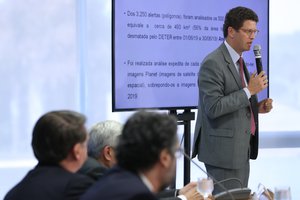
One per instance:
[(59, 144), (95, 170)]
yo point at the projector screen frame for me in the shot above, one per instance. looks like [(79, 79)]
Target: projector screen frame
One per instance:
[(115, 93)]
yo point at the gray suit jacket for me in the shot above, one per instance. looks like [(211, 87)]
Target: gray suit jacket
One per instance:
[(222, 133), (92, 168)]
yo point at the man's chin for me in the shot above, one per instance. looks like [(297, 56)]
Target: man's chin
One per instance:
[(248, 47), (165, 185)]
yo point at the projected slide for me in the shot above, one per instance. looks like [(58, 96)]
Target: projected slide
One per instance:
[(158, 47)]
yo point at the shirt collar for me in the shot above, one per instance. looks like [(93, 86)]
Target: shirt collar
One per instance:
[(233, 54), (146, 182)]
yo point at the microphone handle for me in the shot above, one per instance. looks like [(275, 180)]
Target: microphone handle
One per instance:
[(258, 65), (215, 180)]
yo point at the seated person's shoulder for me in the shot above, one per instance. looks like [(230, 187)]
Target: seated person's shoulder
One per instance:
[(77, 185)]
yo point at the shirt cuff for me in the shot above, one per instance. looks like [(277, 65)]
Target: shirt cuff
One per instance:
[(247, 92), (182, 197)]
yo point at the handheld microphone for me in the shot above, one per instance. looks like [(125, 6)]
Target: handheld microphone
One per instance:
[(257, 54)]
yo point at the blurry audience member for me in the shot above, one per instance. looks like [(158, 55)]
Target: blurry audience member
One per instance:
[(103, 138), (101, 154), (59, 143), (146, 160)]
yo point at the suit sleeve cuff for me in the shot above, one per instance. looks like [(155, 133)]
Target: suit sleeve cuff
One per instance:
[(247, 92), (182, 197)]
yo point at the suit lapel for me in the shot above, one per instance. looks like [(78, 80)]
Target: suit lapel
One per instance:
[(231, 65)]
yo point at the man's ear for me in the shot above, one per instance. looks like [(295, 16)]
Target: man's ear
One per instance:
[(231, 32), (165, 158), (107, 154), (76, 151)]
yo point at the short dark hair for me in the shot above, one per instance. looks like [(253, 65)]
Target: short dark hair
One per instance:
[(55, 134), (236, 17), (143, 137)]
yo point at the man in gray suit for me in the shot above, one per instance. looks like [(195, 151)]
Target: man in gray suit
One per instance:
[(226, 133)]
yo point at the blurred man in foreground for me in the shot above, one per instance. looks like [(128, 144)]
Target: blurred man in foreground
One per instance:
[(59, 143), (103, 138), (146, 154)]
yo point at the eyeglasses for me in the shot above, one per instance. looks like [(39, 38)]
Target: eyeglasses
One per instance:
[(249, 32), (178, 152)]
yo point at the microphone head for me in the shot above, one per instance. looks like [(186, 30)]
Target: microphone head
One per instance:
[(256, 50), (257, 47)]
